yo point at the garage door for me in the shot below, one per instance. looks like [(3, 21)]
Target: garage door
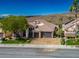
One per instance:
[(46, 34)]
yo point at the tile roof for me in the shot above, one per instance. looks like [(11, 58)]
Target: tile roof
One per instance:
[(69, 25), (42, 25)]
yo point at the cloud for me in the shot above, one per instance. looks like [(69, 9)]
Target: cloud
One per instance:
[(4, 15)]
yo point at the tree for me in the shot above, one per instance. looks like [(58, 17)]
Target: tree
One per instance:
[(75, 7), (60, 22), (60, 33), (14, 24)]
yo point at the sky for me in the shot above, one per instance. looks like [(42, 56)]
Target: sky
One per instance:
[(34, 7)]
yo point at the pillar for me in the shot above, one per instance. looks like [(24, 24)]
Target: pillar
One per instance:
[(39, 34), (27, 33), (52, 35), (32, 33)]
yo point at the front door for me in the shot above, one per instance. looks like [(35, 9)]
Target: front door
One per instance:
[(30, 33)]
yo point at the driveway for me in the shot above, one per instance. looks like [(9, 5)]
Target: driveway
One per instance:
[(45, 41)]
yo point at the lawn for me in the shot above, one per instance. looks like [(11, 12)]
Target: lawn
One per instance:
[(72, 42), (17, 41)]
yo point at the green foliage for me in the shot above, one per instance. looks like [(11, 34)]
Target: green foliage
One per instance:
[(63, 41), (21, 39), (14, 23), (75, 7), (60, 33), (17, 41), (77, 42), (76, 1), (72, 8), (70, 42), (10, 42)]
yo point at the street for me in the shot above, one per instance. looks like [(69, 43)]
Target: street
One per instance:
[(37, 53)]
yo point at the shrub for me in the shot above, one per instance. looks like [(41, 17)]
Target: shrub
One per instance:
[(60, 33), (21, 39), (29, 40), (70, 42), (77, 42), (10, 42), (63, 41), (3, 39), (16, 41)]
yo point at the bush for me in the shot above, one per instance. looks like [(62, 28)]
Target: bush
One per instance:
[(77, 42), (29, 40), (70, 42), (10, 42), (63, 41), (3, 39), (16, 41), (60, 33), (21, 39)]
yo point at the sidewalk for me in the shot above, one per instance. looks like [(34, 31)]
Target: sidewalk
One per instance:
[(39, 46)]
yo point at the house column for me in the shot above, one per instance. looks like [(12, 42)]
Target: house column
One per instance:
[(32, 33), (27, 30), (52, 35), (39, 34)]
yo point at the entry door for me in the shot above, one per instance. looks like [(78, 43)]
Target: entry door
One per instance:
[(30, 33)]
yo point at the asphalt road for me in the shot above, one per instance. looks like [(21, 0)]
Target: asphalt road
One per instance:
[(37, 53)]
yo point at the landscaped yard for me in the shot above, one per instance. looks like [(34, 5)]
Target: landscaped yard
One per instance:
[(17, 41), (72, 42)]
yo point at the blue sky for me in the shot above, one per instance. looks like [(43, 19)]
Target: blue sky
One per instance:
[(34, 7)]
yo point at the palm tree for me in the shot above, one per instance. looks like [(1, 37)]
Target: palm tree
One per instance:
[(75, 7)]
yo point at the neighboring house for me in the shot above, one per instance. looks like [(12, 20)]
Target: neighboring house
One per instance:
[(71, 29), (39, 28)]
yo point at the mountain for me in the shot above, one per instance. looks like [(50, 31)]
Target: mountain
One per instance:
[(55, 19)]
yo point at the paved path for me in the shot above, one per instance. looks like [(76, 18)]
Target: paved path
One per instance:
[(34, 52)]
